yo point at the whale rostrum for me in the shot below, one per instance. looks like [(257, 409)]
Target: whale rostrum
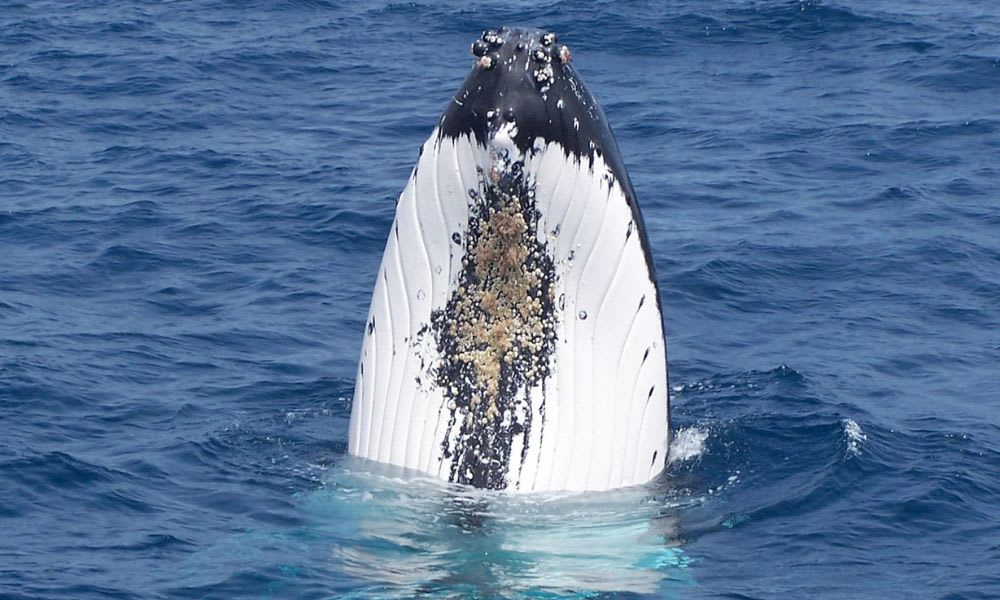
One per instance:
[(515, 338)]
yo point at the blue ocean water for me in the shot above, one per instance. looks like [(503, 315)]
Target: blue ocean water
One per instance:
[(194, 197)]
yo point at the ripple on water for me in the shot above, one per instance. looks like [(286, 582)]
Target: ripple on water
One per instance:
[(193, 200)]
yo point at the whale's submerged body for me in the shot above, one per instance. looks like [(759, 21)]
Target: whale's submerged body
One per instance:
[(514, 339)]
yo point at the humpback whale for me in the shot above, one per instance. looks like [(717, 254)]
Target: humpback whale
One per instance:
[(515, 338)]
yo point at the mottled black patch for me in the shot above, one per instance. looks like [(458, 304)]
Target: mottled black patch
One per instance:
[(481, 452)]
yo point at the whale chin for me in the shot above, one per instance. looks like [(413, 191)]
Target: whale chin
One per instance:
[(515, 338)]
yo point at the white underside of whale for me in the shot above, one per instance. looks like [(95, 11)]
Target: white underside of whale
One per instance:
[(601, 414)]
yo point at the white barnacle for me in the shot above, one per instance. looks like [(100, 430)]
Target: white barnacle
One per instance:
[(544, 74)]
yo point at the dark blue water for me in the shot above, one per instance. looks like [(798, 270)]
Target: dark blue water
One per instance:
[(194, 198)]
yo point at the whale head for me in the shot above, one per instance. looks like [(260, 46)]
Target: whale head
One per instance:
[(515, 339)]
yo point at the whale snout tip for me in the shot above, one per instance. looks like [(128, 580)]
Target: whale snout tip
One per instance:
[(504, 44)]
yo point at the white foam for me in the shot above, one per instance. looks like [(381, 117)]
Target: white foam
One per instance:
[(855, 436), (688, 443)]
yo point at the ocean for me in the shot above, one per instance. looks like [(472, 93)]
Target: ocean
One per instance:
[(194, 198)]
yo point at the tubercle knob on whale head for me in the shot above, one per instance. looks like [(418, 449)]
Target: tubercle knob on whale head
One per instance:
[(541, 46)]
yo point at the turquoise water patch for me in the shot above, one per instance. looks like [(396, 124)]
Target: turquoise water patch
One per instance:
[(418, 537)]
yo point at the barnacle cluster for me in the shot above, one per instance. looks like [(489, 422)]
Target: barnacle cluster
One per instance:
[(541, 49), (496, 334), (499, 316)]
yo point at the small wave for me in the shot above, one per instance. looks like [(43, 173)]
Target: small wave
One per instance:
[(855, 437), (688, 443)]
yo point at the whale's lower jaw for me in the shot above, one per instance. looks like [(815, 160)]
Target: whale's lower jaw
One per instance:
[(514, 339)]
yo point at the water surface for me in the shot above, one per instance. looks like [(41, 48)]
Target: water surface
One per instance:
[(194, 197)]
